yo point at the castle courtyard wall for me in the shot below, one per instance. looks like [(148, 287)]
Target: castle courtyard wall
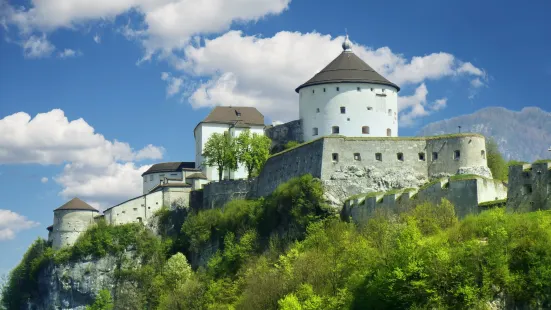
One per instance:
[(217, 194), (529, 187)]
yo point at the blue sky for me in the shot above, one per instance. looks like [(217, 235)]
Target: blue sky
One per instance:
[(120, 84)]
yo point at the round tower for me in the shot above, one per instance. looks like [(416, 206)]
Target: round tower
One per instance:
[(70, 220), (348, 98)]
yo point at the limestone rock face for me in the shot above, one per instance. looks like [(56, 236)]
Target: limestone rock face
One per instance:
[(348, 180), (481, 171), (75, 285)]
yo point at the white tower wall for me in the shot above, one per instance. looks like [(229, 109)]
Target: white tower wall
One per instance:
[(69, 224), (373, 105)]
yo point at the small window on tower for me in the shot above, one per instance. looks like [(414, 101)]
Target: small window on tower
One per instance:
[(400, 156), (369, 108), (422, 156), (388, 132), (378, 157), (357, 157), (456, 154), (324, 89), (483, 154), (315, 131), (389, 112), (317, 110), (313, 91), (335, 157), (343, 110), (338, 88), (365, 130), (335, 130), (434, 155), (358, 89)]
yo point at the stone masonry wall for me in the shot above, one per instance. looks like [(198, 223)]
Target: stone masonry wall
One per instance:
[(465, 195), (216, 194), (529, 187), (281, 134)]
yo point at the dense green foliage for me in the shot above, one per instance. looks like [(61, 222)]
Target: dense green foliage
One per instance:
[(221, 152), (288, 251), (252, 151), (102, 302), (290, 145), (498, 166)]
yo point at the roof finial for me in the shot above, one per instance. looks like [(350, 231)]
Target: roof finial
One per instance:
[(346, 45)]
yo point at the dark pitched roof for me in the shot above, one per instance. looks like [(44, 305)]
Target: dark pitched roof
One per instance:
[(76, 204), (240, 115), (170, 167), (347, 68), (198, 175)]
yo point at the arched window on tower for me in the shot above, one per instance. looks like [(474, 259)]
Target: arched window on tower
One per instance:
[(335, 130), (388, 132), (365, 130)]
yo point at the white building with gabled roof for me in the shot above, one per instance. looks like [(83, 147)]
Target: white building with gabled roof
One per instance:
[(232, 120)]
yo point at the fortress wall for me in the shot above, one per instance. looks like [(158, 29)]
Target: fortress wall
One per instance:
[(68, 225), (176, 197), (126, 212), (529, 187), (281, 134), (280, 168), (490, 190), (346, 148), (216, 194), (472, 151), (153, 203), (463, 194)]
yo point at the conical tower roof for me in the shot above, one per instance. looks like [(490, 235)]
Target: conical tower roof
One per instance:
[(76, 204), (347, 68)]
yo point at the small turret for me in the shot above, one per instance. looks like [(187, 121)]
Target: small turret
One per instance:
[(70, 220)]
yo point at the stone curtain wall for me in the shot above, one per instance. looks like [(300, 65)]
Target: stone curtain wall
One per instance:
[(353, 165), (280, 168), (529, 187), (465, 195), (281, 134), (216, 194)]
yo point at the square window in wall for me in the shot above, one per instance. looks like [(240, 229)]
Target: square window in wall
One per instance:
[(314, 131), (348, 119), (343, 110), (335, 130), (335, 157), (422, 156), (358, 89), (378, 156), (400, 156), (456, 154), (369, 108), (135, 209), (357, 157), (434, 155), (527, 189), (365, 130)]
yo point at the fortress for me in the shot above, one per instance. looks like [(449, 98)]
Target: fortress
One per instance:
[(348, 135)]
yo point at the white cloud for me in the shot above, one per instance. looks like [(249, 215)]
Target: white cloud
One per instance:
[(44, 180), (68, 53), (168, 24), (97, 39), (50, 138), (11, 223), (95, 168), (263, 72), (174, 84), (469, 68), (476, 83), (416, 106), (37, 47)]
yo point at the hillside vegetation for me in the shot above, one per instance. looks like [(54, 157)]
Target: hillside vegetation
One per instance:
[(289, 251)]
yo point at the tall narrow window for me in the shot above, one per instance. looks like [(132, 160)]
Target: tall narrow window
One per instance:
[(335, 157), (313, 91), (338, 88), (434, 156), (400, 156), (314, 131), (358, 89), (483, 154), (389, 112), (324, 89), (317, 110), (388, 132), (335, 130), (343, 110), (456, 154), (365, 130)]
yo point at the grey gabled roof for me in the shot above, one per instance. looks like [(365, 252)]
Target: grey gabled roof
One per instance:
[(240, 115), (169, 167), (347, 68), (197, 175), (76, 204)]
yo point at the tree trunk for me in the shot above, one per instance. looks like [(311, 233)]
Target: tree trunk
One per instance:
[(220, 171)]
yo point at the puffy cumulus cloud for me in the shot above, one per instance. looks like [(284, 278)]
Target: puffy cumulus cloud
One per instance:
[(263, 72), (37, 47), (50, 138), (416, 106), (11, 223), (103, 186), (174, 84), (97, 169), (168, 24), (69, 53)]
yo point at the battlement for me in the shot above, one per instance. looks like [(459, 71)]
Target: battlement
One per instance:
[(466, 192), (529, 186)]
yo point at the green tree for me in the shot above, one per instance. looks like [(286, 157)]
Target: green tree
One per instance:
[(176, 271), (103, 301), (220, 152), (252, 151), (495, 160)]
